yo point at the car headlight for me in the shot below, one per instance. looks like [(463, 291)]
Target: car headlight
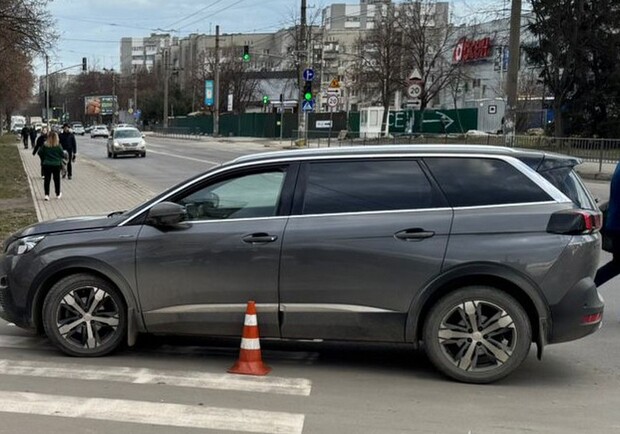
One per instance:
[(24, 245), (142, 144), (117, 145)]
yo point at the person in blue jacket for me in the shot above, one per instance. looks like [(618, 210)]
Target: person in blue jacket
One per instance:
[(612, 230)]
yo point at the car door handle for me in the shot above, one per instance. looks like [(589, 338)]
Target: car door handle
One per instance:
[(259, 238), (414, 234)]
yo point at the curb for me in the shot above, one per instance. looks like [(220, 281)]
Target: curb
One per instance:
[(37, 209)]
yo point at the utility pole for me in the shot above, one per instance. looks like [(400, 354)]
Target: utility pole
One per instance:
[(302, 65), (514, 53), (216, 85), (166, 79), (135, 90), (47, 90)]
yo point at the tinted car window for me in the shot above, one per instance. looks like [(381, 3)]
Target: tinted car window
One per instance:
[(247, 196), (568, 182), (356, 186), (480, 181)]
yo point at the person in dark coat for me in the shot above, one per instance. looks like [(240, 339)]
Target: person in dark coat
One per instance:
[(39, 143), (612, 230), (25, 135), (69, 144), (33, 135)]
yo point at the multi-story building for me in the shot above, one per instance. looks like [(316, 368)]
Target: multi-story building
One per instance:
[(140, 52)]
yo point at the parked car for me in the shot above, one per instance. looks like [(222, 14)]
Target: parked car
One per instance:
[(99, 131), (126, 141), (78, 129), (88, 129), (378, 244)]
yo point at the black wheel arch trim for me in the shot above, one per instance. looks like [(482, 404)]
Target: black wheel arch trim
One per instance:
[(451, 279), (81, 265)]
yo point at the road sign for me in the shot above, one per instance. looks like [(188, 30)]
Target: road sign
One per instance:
[(324, 124), (415, 104), (492, 109), (308, 106), (414, 90), (209, 92), (308, 74), (438, 117), (333, 101), (333, 91), (415, 75), (335, 83)]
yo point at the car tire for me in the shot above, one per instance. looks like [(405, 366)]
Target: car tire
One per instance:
[(93, 301), (468, 355), (114, 155), (109, 154), (143, 155)]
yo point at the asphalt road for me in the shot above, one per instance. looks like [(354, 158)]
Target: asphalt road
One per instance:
[(171, 385)]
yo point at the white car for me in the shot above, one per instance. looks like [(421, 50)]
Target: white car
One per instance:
[(126, 141), (78, 129), (99, 131)]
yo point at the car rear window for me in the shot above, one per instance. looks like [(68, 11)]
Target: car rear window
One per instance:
[(483, 181), (568, 182)]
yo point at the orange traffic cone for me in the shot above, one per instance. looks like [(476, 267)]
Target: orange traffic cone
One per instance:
[(250, 360)]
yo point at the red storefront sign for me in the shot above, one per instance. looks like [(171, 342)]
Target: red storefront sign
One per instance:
[(470, 51)]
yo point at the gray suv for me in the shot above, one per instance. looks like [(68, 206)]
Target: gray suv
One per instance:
[(473, 252)]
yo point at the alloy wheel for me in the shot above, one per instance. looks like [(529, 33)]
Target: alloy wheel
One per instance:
[(477, 336), (87, 317)]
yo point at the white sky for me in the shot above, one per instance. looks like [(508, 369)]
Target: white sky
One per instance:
[(93, 28)]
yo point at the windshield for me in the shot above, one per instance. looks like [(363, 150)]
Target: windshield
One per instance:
[(127, 134)]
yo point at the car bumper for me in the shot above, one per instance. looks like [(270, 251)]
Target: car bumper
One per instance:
[(129, 151), (12, 307), (572, 316)]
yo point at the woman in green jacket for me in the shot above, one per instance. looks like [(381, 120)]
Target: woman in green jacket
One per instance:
[(51, 154)]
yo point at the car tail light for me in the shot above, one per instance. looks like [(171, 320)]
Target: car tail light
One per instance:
[(592, 319), (575, 222)]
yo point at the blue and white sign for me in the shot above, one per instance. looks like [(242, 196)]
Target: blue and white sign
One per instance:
[(308, 74), (308, 106), (209, 92)]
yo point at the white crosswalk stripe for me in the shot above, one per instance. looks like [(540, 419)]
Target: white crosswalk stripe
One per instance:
[(200, 380), (146, 412), (177, 415)]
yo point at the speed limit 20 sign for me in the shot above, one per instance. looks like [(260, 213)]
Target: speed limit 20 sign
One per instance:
[(414, 90)]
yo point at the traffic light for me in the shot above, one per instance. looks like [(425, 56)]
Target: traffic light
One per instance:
[(308, 91), (265, 99), (246, 53), (84, 66)]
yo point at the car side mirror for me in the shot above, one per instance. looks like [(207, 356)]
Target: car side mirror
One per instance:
[(166, 214), (144, 136)]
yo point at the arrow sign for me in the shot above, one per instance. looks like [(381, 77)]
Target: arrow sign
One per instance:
[(308, 74), (444, 119)]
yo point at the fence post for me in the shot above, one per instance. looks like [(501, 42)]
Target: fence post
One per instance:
[(600, 157)]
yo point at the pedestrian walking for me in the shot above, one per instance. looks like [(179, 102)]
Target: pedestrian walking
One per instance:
[(611, 232), (51, 154), (40, 141), (33, 135), (25, 136), (69, 144)]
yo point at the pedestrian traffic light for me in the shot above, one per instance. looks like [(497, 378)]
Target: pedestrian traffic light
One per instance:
[(308, 91), (246, 53), (84, 66), (265, 99)]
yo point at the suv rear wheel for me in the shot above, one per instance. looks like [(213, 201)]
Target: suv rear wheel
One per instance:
[(85, 316), (477, 334)]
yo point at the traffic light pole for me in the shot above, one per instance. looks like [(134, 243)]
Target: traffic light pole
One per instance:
[(301, 133)]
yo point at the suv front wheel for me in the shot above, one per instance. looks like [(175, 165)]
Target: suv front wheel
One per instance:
[(85, 316), (477, 334)]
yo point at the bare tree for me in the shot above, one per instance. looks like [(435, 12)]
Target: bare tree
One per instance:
[(16, 82), (25, 25), (379, 64)]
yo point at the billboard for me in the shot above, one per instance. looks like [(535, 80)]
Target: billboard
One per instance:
[(100, 105)]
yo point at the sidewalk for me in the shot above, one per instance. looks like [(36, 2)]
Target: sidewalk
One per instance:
[(588, 170), (94, 189)]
